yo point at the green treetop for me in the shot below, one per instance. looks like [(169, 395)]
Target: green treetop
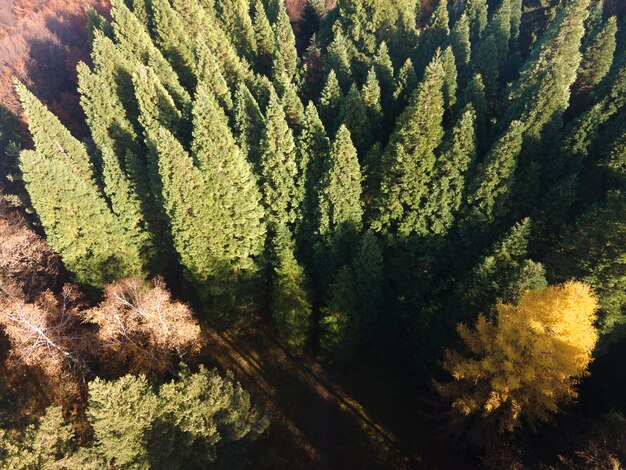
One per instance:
[(371, 96), (353, 114), (330, 100), (409, 158)]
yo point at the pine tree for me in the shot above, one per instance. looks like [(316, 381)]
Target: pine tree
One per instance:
[(541, 94), (135, 42), (340, 207), (460, 42), (474, 94), (288, 93), (450, 82), (235, 18), (313, 148), (353, 114), (59, 177), (447, 187), (490, 187), (210, 74), (339, 337), (279, 168), (338, 59), (114, 135), (286, 42), (487, 66), (435, 37), (598, 51), (477, 16), (500, 27), (405, 85), (174, 42), (371, 96), (330, 101), (290, 300), (249, 124), (385, 73), (266, 43), (409, 158)]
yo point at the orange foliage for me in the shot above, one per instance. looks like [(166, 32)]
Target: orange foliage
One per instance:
[(141, 329)]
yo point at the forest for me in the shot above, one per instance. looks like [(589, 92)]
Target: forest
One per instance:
[(322, 234)]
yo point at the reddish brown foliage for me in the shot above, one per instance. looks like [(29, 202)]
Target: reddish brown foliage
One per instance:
[(141, 329), (41, 41), (28, 265)]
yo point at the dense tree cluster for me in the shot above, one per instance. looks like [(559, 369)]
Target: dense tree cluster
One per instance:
[(395, 178)]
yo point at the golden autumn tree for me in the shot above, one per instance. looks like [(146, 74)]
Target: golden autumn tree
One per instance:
[(526, 362), (142, 329)]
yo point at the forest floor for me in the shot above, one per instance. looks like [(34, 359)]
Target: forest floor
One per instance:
[(362, 417)]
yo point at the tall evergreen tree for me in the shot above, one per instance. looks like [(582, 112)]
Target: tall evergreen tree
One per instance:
[(279, 168), (353, 114), (338, 59), (371, 96), (265, 40), (91, 240), (291, 305), (460, 42), (234, 16), (210, 74), (436, 36), (477, 15), (451, 77), (490, 187), (285, 45), (385, 73), (474, 94), (598, 51), (330, 100), (405, 85), (249, 124), (409, 158)]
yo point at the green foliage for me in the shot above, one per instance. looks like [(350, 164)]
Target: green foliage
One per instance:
[(285, 47), (92, 241), (460, 42), (477, 16), (353, 114), (409, 159), (450, 82), (290, 298), (598, 50), (264, 37), (182, 423), (330, 100), (371, 96)]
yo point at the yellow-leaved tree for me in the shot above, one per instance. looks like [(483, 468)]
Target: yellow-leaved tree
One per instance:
[(526, 362)]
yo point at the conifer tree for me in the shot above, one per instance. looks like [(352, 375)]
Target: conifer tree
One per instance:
[(290, 299), (598, 51), (474, 94), (91, 240), (285, 45), (460, 42), (450, 82), (500, 27), (313, 147), (340, 207), (288, 93), (409, 158), (264, 36), (235, 18), (135, 41), (353, 114), (210, 74), (330, 101), (516, 22), (434, 37), (541, 94), (371, 96), (339, 337), (477, 16), (338, 59), (491, 185), (405, 85), (249, 124), (486, 64), (385, 73), (458, 153), (279, 168)]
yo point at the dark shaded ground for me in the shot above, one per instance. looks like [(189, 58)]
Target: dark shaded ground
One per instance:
[(365, 417)]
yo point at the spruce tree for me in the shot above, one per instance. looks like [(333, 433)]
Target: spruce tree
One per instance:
[(447, 187), (598, 51), (477, 16), (409, 159), (486, 64), (434, 37), (338, 59), (264, 36), (474, 94), (288, 93), (279, 169), (285, 45), (234, 16), (490, 187), (385, 73), (450, 83), (313, 147), (92, 241), (330, 101), (371, 96), (405, 85), (291, 305), (249, 124), (210, 74), (353, 114), (460, 42)]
